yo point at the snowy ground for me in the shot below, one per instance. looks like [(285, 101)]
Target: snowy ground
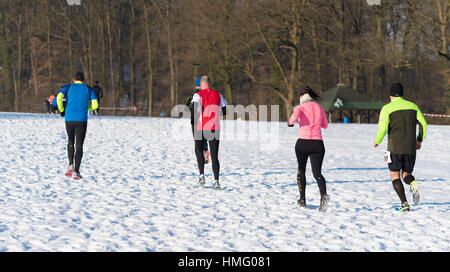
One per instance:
[(139, 191)]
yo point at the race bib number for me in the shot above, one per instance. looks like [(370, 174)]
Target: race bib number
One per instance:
[(387, 157)]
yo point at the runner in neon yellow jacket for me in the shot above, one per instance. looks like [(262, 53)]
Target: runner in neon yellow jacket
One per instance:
[(399, 119)]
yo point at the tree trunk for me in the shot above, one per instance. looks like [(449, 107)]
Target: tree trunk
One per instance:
[(90, 54), (18, 84), (149, 59), (171, 59), (34, 68), (6, 65), (49, 45), (443, 12), (111, 64), (132, 59)]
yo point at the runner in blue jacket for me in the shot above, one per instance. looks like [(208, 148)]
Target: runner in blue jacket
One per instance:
[(80, 99)]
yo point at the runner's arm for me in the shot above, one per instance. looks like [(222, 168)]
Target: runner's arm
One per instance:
[(188, 101), (196, 101), (60, 96), (422, 126), (59, 101), (93, 105), (294, 117), (223, 105), (383, 125)]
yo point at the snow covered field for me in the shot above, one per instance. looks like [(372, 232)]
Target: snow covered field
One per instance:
[(139, 193)]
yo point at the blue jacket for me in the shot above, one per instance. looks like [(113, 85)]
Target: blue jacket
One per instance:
[(80, 99)]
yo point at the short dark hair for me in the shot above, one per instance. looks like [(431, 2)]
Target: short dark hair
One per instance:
[(396, 89), (79, 76)]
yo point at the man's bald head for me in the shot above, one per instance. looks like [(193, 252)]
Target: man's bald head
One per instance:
[(205, 82)]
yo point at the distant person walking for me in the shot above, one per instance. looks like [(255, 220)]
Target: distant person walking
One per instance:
[(80, 99), (399, 119), (47, 104), (188, 102), (99, 93), (53, 107), (311, 118), (207, 106)]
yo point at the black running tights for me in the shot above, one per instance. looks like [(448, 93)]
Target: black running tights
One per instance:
[(214, 151), (315, 150), (76, 131)]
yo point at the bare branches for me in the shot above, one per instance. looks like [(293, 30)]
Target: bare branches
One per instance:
[(148, 52)]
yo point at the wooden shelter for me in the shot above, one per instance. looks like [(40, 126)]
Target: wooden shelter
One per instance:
[(341, 101)]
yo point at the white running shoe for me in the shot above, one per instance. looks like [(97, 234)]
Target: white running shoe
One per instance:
[(201, 181), (324, 203), (415, 190), (217, 185)]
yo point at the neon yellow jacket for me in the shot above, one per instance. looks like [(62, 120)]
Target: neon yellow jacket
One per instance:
[(399, 119)]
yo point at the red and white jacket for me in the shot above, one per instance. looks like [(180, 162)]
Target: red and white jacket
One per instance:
[(209, 104)]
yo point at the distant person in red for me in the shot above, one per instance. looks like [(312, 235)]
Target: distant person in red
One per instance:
[(53, 107), (207, 106)]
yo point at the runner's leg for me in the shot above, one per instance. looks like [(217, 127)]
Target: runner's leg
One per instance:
[(80, 134), (302, 159), (214, 146), (70, 145), (199, 144), (316, 159)]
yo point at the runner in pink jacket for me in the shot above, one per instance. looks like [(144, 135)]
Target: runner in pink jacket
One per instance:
[(311, 118)]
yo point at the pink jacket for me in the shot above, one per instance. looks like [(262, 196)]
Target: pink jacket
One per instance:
[(311, 118)]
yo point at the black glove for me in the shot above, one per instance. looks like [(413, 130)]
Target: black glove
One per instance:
[(63, 113)]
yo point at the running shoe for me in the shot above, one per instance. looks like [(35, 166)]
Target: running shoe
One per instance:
[(69, 171), (201, 181), (217, 185), (405, 207), (324, 203), (76, 176), (415, 191), (302, 202)]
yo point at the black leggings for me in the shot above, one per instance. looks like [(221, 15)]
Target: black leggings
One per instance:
[(205, 147), (76, 131), (214, 150), (315, 150)]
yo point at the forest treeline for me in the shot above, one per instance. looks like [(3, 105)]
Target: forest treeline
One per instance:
[(147, 53)]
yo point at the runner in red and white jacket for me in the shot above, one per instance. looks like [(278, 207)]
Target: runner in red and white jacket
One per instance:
[(207, 106)]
